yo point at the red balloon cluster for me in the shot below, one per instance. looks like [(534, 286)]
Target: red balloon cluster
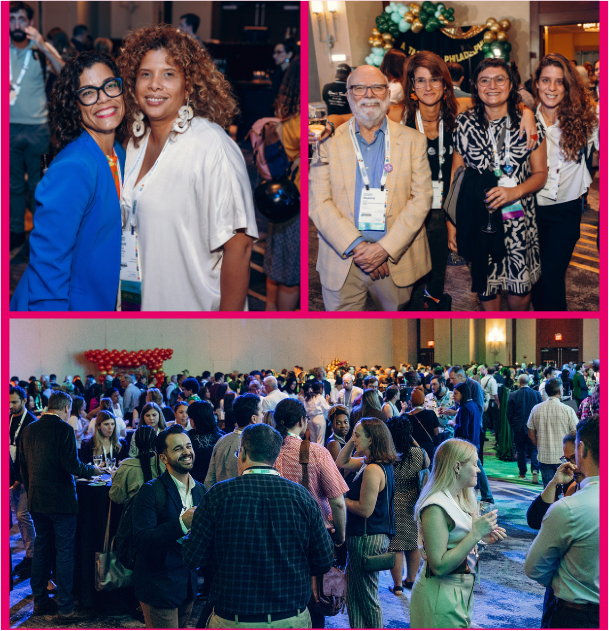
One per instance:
[(153, 359)]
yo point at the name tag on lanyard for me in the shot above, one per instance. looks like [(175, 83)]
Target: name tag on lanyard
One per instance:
[(131, 271), (436, 200), (372, 210), (514, 210), (373, 201)]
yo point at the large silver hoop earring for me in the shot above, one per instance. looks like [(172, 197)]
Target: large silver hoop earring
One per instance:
[(138, 124), (185, 115)]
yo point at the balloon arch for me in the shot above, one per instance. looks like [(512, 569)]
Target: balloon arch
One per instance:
[(149, 361), (399, 18)]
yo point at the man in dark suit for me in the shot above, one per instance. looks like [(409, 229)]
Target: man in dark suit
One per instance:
[(165, 587), (48, 460), (519, 409), (20, 419)]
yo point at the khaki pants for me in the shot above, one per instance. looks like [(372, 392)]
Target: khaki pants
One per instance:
[(302, 621), (167, 618), (385, 294)]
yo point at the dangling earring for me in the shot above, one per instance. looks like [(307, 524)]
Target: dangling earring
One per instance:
[(445, 94), (185, 115), (138, 124), (413, 96)]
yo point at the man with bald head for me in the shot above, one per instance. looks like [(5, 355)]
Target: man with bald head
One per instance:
[(519, 409), (273, 394), (369, 204)]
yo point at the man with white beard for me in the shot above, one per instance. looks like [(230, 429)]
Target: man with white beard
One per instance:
[(369, 204)]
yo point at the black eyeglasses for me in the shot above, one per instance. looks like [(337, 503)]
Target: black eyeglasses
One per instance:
[(89, 95)]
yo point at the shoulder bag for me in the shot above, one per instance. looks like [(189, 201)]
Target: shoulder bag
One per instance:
[(110, 573)]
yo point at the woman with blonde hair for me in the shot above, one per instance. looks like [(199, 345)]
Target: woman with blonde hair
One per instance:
[(105, 440), (186, 190), (449, 530)]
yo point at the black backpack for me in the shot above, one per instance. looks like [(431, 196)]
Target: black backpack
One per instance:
[(123, 542)]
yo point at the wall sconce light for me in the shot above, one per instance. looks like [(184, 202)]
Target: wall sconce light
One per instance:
[(495, 339), (431, 343), (318, 9), (558, 337)]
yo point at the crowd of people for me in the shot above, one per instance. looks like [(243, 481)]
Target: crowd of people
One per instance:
[(385, 462), (430, 163), (137, 131)]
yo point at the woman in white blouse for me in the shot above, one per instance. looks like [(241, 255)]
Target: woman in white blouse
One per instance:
[(188, 214), (449, 531), (317, 408), (568, 113)]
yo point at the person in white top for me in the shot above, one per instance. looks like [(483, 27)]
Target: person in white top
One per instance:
[(567, 111), (317, 406), (274, 395), (187, 201), (450, 528), (349, 392)]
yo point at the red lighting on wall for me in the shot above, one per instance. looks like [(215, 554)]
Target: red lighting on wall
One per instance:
[(430, 343)]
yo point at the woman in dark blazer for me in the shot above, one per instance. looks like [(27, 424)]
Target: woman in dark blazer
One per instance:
[(75, 246)]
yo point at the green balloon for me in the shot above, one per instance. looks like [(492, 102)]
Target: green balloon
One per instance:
[(379, 20), (427, 5), (450, 17), (423, 17), (506, 57), (430, 27), (489, 55), (394, 30), (486, 47), (507, 47)]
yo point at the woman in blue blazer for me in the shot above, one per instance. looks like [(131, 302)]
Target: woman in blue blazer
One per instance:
[(75, 247)]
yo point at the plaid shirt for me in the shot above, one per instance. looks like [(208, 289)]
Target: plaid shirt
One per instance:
[(266, 533), (325, 480), (552, 421)]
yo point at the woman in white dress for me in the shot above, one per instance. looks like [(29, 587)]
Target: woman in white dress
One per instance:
[(188, 214), (449, 531), (317, 408)]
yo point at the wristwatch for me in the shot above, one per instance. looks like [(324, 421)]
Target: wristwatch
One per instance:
[(333, 128)]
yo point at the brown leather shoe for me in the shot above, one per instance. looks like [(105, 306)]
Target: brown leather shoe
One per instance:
[(74, 616), (43, 609)]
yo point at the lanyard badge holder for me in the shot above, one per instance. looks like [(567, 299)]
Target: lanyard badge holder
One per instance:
[(515, 210), (373, 202), (436, 202), (16, 87), (131, 269)]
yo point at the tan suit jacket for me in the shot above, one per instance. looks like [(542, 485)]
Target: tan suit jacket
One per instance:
[(332, 207)]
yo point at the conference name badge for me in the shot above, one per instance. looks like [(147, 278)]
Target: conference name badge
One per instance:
[(550, 190), (436, 201), (372, 210), (131, 272), (515, 210)]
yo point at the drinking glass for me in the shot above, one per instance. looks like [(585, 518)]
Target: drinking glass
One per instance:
[(97, 460), (318, 118), (485, 507), (489, 227), (110, 463)]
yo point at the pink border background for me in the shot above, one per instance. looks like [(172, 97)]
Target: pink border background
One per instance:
[(602, 315)]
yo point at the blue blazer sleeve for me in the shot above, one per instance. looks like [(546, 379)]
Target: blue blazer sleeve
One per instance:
[(62, 198)]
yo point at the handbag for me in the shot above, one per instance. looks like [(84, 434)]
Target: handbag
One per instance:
[(332, 598), (450, 204), (423, 475), (386, 560), (109, 571)]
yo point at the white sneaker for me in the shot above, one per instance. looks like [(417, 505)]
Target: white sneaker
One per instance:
[(535, 477)]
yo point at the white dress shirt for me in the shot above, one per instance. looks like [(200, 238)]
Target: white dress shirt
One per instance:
[(271, 400)]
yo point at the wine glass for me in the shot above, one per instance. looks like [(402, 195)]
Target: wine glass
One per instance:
[(489, 226), (110, 464), (318, 118), (97, 460)]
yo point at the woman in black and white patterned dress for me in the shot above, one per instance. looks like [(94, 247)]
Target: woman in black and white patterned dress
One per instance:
[(496, 100)]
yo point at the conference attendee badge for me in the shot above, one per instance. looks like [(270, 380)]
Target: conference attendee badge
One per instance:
[(515, 210), (372, 210), (436, 201), (373, 202), (131, 271), (550, 190)]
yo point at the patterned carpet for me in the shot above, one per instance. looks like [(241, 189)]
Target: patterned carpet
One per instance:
[(504, 599)]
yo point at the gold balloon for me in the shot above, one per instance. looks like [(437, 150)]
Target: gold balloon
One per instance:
[(375, 32), (377, 42), (490, 21), (495, 28), (387, 37), (489, 37), (505, 25), (443, 21), (409, 17), (371, 41), (388, 46), (417, 26), (502, 36), (415, 9)]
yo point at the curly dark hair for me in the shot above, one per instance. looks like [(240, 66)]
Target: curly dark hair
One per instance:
[(400, 429), (514, 99), (438, 68), (64, 115), (209, 92), (288, 100), (577, 111)]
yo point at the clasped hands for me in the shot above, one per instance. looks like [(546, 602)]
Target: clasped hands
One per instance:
[(371, 258)]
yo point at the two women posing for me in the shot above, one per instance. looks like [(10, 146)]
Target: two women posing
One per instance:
[(179, 199)]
